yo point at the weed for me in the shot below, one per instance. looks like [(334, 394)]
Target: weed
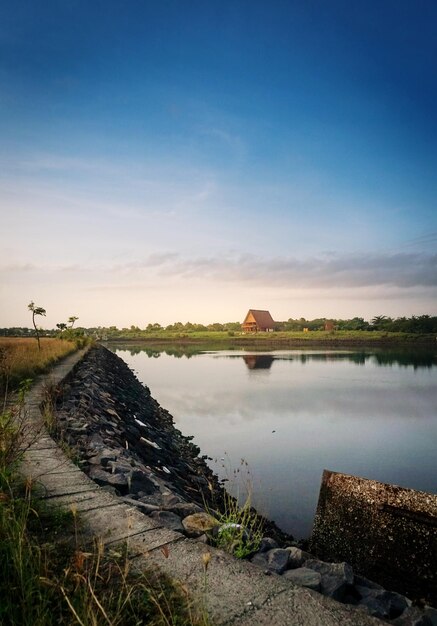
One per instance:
[(14, 434), (240, 527)]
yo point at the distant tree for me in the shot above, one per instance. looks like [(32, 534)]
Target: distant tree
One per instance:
[(356, 323), (381, 322), (153, 327), (72, 319), (36, 310), (61, 326), (216, 327)]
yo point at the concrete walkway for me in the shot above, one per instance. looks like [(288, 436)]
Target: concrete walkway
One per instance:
[(236, 593)]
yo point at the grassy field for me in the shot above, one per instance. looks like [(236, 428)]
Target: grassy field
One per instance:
[(280, 338), (20, 358)]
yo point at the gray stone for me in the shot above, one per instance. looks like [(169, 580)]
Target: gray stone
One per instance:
[(119, 481), (120, 466), (185, 508), (336, 577), (413, 616), (275, 560), (267, 543), (431, 613), (304, 577), (362, 581), (168, 519), (381, 603), (297, 557), (139, 481), (170, 499)]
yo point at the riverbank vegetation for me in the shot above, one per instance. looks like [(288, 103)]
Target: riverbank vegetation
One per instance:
[(380, 329), (22, 358)]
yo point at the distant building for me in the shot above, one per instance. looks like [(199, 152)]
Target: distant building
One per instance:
[(329, 325), (258, 321)]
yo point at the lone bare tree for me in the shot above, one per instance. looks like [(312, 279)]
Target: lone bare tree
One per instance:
[(36, 310)]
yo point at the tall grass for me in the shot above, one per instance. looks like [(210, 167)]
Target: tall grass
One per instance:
[(20, 358)]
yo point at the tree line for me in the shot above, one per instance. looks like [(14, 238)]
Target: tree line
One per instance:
[(416, 324)]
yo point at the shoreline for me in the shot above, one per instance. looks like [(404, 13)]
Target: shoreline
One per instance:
[(269, 342)]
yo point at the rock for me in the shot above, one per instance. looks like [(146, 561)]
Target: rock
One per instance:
[(200, 480), (169, 499), (198, 524), (110, 489), (336, 577), (267, 544), (139, 481), (304, 577), (102, 457), (185, 509), (275, 560), (381, 603), (361, 581), (297, 557), (119, 481), (431, 613), (122, 464), (413, 616), (168, 519)]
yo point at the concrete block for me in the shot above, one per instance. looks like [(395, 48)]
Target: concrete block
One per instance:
[(387, 533)]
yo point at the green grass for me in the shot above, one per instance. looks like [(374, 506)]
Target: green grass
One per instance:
[(276, 338), (240, 528)]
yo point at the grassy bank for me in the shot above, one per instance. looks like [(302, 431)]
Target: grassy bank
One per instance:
[(21, 358), (280, 338)]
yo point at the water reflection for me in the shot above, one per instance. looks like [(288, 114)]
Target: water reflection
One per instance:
[(258, 361), (416, 357), (291, 414)]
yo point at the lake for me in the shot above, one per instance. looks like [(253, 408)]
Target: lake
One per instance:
[(276, 419)]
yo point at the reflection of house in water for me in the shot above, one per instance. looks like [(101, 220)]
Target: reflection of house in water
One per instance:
[(258, 361)]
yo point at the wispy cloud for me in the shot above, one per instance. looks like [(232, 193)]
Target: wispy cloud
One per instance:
[(230, 140), (398, 270), (424, 239), (403, 271)]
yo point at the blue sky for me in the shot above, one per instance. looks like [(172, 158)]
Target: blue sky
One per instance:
[(164, 161)]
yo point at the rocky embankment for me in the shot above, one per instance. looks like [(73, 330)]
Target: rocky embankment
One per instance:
[(128, 444)]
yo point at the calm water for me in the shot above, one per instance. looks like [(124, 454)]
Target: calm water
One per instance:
[(290, 414)]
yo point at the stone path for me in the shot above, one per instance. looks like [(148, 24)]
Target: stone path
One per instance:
[(237, 593)]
